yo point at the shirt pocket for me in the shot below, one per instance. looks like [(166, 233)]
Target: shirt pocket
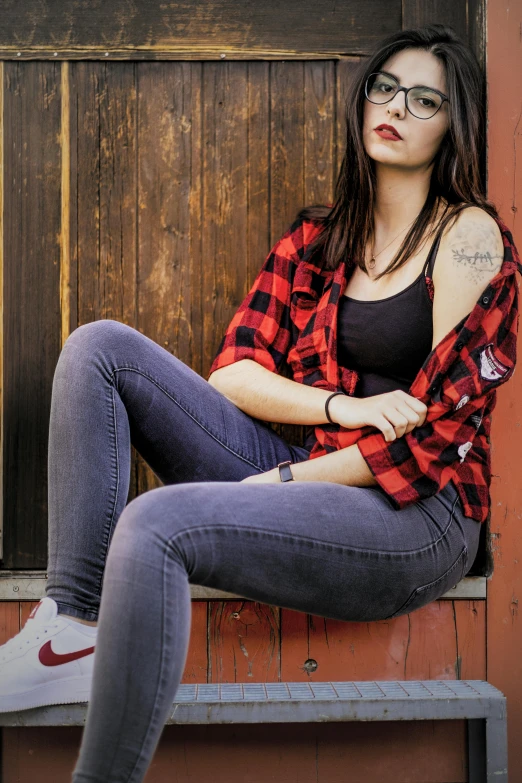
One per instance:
[(432, 591), (473, 376)]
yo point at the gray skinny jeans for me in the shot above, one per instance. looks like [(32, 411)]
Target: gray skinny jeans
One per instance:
[(319, 547)]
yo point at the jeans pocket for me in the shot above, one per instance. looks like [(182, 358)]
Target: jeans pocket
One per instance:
[(427, 593)]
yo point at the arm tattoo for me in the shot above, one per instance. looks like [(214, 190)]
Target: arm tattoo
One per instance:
[(476, 248), (481, 261)]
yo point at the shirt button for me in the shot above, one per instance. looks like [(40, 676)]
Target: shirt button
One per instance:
[(485, 299), (459, 346), (463, 400), (463, 450)]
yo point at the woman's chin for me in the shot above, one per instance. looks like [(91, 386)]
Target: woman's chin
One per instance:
[(385, 156)]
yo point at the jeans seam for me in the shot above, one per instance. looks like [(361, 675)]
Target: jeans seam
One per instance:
[(152, 725), (115, 502), (300, 537), (152, 380), (92, 615)]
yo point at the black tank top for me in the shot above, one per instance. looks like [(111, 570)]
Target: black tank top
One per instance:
[(387, 340)]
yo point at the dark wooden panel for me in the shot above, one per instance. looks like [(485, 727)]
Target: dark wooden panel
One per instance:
[(225, 156), (170, 214), (477, 29), (103, 191), (466, 18), (168, 297), (103, 212), (182, 176), (449, 12), (32, 207), (152, 28)]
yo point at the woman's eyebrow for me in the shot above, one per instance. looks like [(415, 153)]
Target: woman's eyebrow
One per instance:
[(389, 73)]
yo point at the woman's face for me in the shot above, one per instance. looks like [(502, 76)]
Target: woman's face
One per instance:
[(421, 138)]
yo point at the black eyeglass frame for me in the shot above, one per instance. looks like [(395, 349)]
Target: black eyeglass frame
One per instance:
[(405, 90)]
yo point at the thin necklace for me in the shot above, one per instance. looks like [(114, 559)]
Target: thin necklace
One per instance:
[(371, 262)]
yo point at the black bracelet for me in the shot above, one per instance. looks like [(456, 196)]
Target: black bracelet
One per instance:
[(326, 405)]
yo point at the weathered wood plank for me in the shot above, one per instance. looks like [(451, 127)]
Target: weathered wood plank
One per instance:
[(244, 643), (420, 12), (32, 323), (169, 299), (9, 620), (426, 644), (152, 26), (103, 213), (103, 103), (225, 157)]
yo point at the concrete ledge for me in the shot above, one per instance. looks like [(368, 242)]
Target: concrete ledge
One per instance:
[(30, 586)]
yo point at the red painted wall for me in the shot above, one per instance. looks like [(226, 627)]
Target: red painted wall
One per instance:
[(504, 623)]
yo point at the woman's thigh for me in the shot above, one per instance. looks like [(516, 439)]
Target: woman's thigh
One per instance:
[(327, 549), (184, 428)]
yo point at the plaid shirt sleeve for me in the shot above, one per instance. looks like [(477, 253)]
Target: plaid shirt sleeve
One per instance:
[(261, 327), (464, 379)]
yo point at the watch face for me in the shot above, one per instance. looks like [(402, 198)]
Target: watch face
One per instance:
[(285, 473)]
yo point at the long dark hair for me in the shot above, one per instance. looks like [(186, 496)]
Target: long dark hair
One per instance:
[(456, 175)]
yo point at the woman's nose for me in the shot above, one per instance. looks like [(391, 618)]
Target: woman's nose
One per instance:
[(397, 105)]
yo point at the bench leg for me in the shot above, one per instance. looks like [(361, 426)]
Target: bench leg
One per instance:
[(487, 750)]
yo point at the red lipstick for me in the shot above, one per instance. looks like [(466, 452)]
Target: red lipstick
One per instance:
[(388, 132)]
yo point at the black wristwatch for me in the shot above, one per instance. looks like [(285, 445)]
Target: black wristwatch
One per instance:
[(285, 474)]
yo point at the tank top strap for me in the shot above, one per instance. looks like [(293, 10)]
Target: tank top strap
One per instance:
[(430, 260)]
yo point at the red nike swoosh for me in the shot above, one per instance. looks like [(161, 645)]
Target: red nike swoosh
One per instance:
[(48, 657)]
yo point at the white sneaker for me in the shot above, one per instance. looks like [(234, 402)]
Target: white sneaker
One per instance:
[(49, 662)]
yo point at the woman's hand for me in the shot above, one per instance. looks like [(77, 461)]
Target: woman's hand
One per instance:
[(269, 477), (394, 413)]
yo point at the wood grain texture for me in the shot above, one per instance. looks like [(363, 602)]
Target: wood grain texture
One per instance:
[(429, 643), (150, 28), (32, 324), (245, 641), (103, 195)]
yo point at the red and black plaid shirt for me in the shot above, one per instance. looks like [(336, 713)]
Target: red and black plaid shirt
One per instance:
[(290, 314)]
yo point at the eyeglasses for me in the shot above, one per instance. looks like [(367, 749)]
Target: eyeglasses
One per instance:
[(381, 87)]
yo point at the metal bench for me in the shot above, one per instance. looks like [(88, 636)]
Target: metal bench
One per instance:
[(478, 702)]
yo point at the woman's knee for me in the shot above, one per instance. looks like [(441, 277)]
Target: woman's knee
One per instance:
[(156, 518), (97, 332), (100, 340)]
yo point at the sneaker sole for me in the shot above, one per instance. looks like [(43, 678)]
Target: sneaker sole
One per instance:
[(74, 690)]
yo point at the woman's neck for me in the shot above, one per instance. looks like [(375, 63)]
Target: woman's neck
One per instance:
[(399, 197)]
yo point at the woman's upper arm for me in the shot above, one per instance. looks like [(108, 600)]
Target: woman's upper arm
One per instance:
[(470, 254)]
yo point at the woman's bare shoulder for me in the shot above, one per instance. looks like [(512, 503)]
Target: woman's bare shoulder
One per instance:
[(471, 244)]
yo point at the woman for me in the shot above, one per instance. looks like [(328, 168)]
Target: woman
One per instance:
[(379, 514)]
